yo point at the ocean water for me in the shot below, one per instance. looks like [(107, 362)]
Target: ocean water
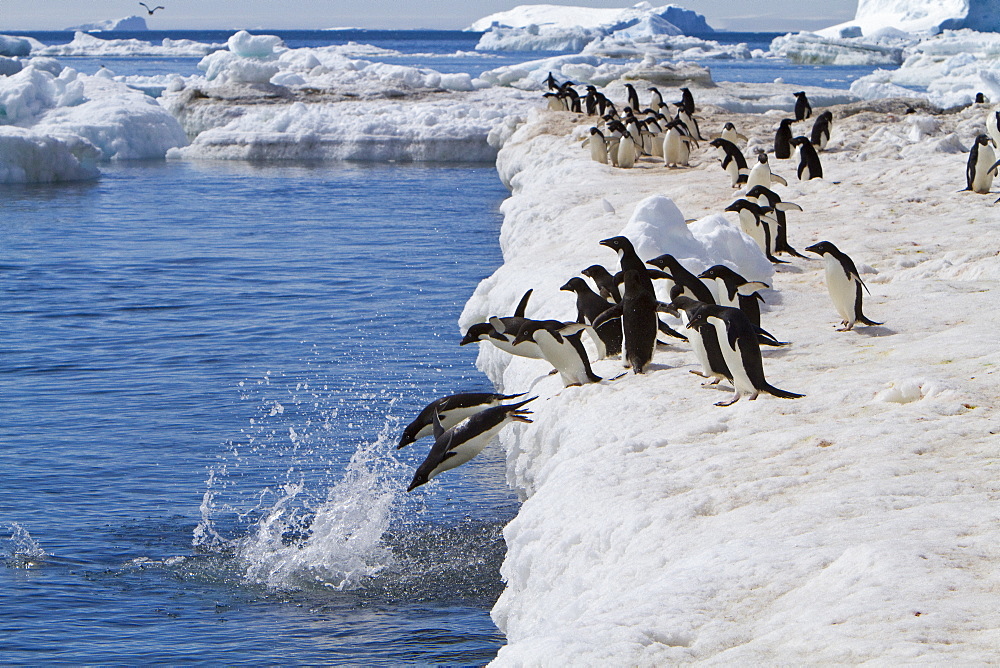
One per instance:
[(204, 368)]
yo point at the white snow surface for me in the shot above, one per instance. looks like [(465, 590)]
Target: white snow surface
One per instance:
[(565, 28), (857, 524), (921, 16)]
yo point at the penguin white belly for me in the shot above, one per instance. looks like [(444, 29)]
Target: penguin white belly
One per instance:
[(722, 295), (656, 145), (698, 346), (467, 450), (626, 153), (675, 149), (598, 150), (613, 145), (993, 125), (734, 360), (842, 289), (982, 179), (564, 357), (734, 172), (753, 229), (729, 135), (760, 175), (525, 349)]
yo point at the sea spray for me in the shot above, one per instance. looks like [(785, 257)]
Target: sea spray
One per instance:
[(21, 550)]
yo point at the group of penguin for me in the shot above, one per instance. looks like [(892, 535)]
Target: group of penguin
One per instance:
[(984, 165), (620, 313)]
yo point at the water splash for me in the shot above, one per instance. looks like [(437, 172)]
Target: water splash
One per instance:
[(22, 550)]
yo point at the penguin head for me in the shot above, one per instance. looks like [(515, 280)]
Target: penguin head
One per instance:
[(620, 244), (697, 319), (983, 140), (596, 271), (718, 271), (729, 126), (527, 332), (757, 191), (762, 157), (822, 248), (419, 478), (476, 333), (595, 131), (798, 141), (574, 284), (800, 94), (740, 205), (785, 123), (665, 261)]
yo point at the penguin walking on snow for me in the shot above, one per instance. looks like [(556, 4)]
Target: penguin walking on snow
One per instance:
[(778, 210), (756, 225), (844, 284), (738, 342), (820, 135), (761, 174), (637, 311), (450, 411), (809, 165), (736, 291), (982, 166), (457, 445), (730, 134), (803, 109), (733, 161), (598, 146)]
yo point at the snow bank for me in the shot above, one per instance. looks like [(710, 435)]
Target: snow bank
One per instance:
[(15, 46), (562, 28), (129, 23), (920, 16), (856, 524), (57, 123), (812, 49), (84, 44)]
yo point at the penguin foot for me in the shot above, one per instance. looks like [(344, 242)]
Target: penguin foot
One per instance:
[(736, 397), (697, 373)]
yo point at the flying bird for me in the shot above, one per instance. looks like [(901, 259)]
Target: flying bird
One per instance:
[(150, 11)]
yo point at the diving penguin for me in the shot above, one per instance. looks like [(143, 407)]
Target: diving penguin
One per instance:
[(450, 411)]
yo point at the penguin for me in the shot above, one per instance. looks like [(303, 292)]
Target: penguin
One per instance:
[(730, 134), (616, 133), (637, 311), (687, 101), (803, 109), (704, 343), (598, 146), (981, 99), (501, 332), (740, 349), (590, 101), (778, 209), (761, 174), (783, 139), (554, 101), (633, 97), (736, 291), (605, 282), (809, 166), (453, 447), (689, 122), (993, 126), (589, 305), (756, 226), (450, 411), (732, 160), (657, 100), (626, 151), (653, 138), (844, 284), (676, 145), (981, 170), (550, 82), (820, 135), (562, 347), (690, 284)]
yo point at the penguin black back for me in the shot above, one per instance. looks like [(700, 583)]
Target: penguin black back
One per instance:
[(803, 109), (809, 165), (782, 139)]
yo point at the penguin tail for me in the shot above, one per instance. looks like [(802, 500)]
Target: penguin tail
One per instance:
[(783, 394), (514, 408), (865, 320), (506, 397)]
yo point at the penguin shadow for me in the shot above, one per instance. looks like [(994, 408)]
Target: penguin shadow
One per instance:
[(770, 352), (787, 269), (653, 366), (875, 331)]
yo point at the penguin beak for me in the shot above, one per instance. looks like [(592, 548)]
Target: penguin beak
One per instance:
[(567, 287), (812, 249)]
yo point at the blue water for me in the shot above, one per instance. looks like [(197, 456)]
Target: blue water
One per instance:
[(182, 344)]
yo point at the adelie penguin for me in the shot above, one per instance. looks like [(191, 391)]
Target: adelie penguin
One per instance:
[(598, 146), (605, 282), (844, 284), (761, 174), (736, 291), (803, 109), (450, 411), (732, 161), (738, 342), (637, 311), (754, 223), (783, 140), (502, 331), (820, 135), (454, 447), (562, 347), (982, 166), (730, 134), (778, 210), (590, 305), (809, 165)]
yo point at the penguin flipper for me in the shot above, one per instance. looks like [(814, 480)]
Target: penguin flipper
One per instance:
[(781, 180), (750, 288), (523, 304), (612, 313), (438, 429), (782, 394), (666, 329)]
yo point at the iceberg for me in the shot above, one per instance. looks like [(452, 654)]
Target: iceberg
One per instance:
[(857, 524), (85, 44), (129, 23), (564, 28), (926, 16)]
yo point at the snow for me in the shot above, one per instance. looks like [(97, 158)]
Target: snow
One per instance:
[(928, 16), (565, 28), (129, 23), (856, 524), (15, 46)]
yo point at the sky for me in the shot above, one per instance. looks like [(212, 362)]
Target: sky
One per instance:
[(750, 15)]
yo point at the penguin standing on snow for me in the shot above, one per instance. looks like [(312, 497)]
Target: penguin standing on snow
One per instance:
[(783, 140), (820, 135), (633, 98), (738, 342), (590, 305), (736, 291), (730, 134), (993, 126), (562, 347), (598, 146), (754, 223), (761, 174), (732, 160), (809, 166), (803, 109), (844, 284), (778, 209), (637, 311), (687, 101), (450, 411), (676, 145), (981, 168), (453, 447)]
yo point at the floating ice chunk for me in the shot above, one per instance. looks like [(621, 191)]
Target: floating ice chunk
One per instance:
[(84, 44), (14, 46), (245, 45), (812, 49), (27, 157)]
